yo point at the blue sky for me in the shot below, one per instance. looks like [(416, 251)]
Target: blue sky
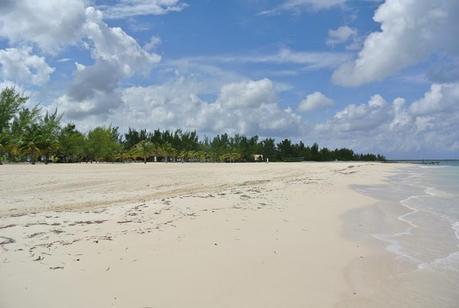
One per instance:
[(372, 75)]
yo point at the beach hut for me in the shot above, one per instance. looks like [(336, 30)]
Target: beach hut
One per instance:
[(257, 157)]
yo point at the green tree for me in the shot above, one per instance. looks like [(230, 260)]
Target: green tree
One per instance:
[(145, 149), (48, 134), (285, 149), (102, 144), (25, 134), (268, 149), (315, 152), (10, 104), (71, 144), (30, 141), (133, 137)]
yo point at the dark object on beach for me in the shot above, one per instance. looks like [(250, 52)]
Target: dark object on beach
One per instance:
[(6, 240), (56, 267)]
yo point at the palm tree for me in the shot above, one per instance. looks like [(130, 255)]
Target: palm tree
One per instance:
[(181, 155), (191, 155), (10, 103), (124, 155), (202, 156), (24, 134), (48, 131), (4, 140), (2, 152), (145, 149), (166, 150), (235, 156), (29, 143)]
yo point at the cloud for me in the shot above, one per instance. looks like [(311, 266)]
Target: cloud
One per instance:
[(112, 44), (298, 6), (340, 35), (442, 98), (309, 60), (20, 65), (154, 42), (63, 60), (315, 101), (117, 56), (247, 94), (129, 8), (364, 117), (247, 107), (50, 24), (410, 31), (426, 127)]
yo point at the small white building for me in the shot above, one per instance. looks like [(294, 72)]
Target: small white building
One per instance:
[(257, 157)]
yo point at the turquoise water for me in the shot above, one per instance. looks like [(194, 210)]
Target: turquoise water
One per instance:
[(453, 163), (431, 237), (417, 220)]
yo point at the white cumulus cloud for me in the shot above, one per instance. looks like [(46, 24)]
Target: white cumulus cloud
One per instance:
[(20, 65), (441, 98), (428, 126), (340, 35), (315, 101), (247, 94), (248, 107), (50, 24), (410, 31), (116, 55)]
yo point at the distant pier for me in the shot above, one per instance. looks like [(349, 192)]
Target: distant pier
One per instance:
[(430, 162)]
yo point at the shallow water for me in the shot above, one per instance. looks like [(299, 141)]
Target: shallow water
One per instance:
[(419, 226)]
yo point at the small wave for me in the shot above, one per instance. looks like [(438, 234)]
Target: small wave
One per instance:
[(448, 263), (395, 247), (412, 211), (424, 198), (455, 227), (433, 167), (435, 192)]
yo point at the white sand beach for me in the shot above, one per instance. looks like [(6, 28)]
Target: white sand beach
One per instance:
[(188, 235)]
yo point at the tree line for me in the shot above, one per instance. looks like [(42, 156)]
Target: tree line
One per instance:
[(26, 134)]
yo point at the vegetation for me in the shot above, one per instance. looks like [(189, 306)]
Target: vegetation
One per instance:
[(27, 135)]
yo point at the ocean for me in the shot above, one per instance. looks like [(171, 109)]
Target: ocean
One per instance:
[(431, 238), (419, 225)]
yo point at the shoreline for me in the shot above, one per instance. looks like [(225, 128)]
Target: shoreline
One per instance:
[(410, 280), (271, 236)]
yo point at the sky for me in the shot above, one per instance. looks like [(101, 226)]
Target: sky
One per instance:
[(372, 75)]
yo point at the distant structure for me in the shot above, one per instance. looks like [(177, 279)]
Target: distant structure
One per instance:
[(257, 157), (430, 162)]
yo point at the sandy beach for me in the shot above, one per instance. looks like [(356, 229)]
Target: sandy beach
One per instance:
[(189, 235)]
